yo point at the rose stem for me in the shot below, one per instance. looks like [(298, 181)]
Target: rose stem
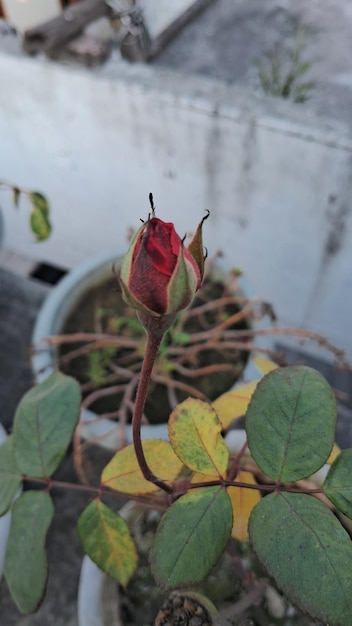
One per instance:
[(151, 353)]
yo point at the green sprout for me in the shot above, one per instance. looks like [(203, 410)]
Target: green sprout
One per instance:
[(282, 76)]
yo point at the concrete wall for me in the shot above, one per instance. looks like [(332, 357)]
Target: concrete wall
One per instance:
[(277, 182), (158, 15)]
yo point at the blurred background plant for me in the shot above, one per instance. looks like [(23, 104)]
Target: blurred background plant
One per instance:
[(39, 217), (281, 73)]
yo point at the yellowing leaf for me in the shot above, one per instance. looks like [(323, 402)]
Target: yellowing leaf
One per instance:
[(197, 477), (333, 454), (233, 404), (242, 500), (123, 473), (195, 435), (106, 538), (263, 364)]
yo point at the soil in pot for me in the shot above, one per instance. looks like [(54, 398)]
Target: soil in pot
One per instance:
[(205, 368)]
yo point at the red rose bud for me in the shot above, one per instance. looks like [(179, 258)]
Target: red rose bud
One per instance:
[(158, 274)]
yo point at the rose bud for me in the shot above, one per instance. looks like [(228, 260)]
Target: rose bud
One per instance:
[(159, 276)]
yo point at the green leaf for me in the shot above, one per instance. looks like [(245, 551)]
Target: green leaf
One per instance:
[(26, 566), (39, 217), (191, 537), (309, 554), (40, 224), (195, 435), (291, 422), (10, 477), (106, 538), (40, 202), (338, 483), (44, 424)]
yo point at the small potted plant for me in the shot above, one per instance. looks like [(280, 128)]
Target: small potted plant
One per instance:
[(39, 218), (201, 495)]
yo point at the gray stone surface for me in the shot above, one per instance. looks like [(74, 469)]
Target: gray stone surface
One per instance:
[(20, 299)]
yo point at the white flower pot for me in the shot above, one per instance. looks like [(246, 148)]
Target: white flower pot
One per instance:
[(90, 606)]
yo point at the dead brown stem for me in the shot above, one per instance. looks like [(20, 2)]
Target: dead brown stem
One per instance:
[(177, 384), (202, 371), (217, 304), (104, 340), (233, 319), (101, 393)]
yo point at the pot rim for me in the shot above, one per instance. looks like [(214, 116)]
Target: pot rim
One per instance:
[(54, 312)]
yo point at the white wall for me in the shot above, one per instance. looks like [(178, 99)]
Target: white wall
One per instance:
[(158, 15), (278, 183)]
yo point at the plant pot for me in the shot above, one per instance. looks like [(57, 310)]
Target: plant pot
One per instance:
[(52, 317)]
